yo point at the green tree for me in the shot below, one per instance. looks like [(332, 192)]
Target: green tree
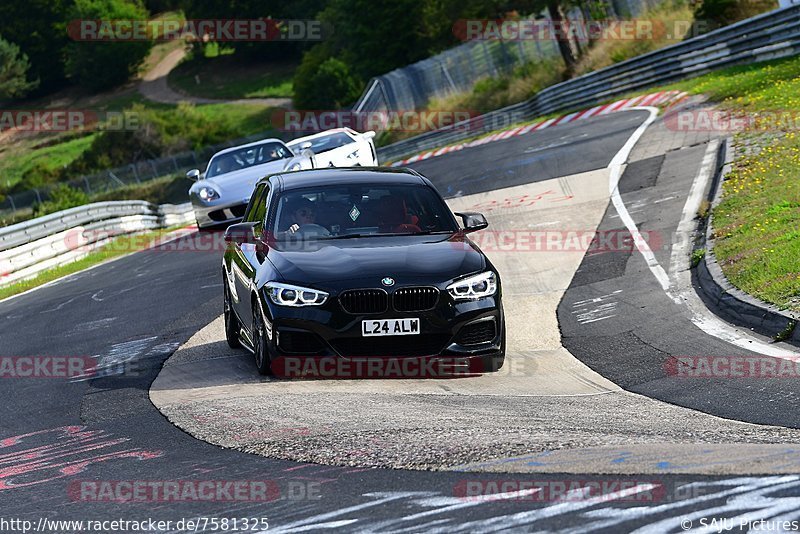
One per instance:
[(325, 84), (38, 27), (256, 9), (101, 65), (13, 70)]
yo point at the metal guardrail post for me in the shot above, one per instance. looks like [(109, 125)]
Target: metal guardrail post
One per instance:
[(114, 176)]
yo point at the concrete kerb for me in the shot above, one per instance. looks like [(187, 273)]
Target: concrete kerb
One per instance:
[(720, 295)]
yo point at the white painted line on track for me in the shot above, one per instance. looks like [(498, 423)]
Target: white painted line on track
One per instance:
[(682, 291), (677, 285), (681, 248), (616, 168)]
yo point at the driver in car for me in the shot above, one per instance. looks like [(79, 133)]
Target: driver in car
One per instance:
[(302, 217)]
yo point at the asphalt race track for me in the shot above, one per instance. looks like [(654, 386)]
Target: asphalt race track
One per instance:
[(59, 436)]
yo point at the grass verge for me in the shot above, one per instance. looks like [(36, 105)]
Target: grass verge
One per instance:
[(757, 223), (119, 246), (225, 78)]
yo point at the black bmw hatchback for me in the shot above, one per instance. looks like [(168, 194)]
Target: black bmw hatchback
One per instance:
[(360, 272)]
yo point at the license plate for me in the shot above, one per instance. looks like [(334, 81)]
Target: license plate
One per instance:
[(390, 327)]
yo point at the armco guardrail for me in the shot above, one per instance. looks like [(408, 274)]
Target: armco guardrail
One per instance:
[(31, 247), (134, 173), (769, 36)]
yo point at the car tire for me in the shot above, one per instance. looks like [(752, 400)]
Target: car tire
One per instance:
[(232, 325), (260, 345)]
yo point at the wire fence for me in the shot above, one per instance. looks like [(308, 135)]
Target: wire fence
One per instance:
[(407, 88), (458, 69)]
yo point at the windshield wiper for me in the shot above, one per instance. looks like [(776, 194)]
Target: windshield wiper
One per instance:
[(348, 236), (431, 232)]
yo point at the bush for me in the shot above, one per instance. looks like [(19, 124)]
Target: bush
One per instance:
[(62, 197), (38, 176), (321, 83), (159, 133), (101, 65)]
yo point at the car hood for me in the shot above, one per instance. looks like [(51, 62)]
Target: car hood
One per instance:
[(364, 262)]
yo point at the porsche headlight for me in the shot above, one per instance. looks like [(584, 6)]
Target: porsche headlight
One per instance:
[(207, 194), (294, 296), (475, 287)]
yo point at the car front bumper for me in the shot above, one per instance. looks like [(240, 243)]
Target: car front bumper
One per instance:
[(458, 337), (218, 214)]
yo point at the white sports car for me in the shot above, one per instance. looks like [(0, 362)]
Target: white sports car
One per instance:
[(221, 194), (339, 147)]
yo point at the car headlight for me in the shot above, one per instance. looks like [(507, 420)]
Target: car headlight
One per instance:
[(475, 287), (294, 296), (295, 167), (207, 194)]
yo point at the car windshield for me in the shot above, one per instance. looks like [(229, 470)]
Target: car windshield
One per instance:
[(326, 142), (343, 211), (247, 157)]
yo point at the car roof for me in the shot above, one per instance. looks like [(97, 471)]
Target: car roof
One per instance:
[(345, 176), (321, 134), (254, 143)]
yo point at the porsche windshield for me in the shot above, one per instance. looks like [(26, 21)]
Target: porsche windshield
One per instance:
[(332, 211), (247, 157), (329, 142)]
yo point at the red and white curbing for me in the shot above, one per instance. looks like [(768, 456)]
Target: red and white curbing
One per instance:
[(653, 99)]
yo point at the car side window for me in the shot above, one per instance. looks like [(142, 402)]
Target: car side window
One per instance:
[(258, 207)]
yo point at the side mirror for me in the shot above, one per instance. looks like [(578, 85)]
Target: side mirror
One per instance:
[(241, 233), (368, 135), (306, 145), (473, 222), (194, 174)]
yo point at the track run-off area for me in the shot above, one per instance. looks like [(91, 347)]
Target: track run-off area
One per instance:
[(586, 396)]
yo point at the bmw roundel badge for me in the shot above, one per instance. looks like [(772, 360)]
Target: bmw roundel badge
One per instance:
[(388, 281)]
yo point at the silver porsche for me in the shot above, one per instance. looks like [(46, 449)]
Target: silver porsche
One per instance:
[(220, 194)]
